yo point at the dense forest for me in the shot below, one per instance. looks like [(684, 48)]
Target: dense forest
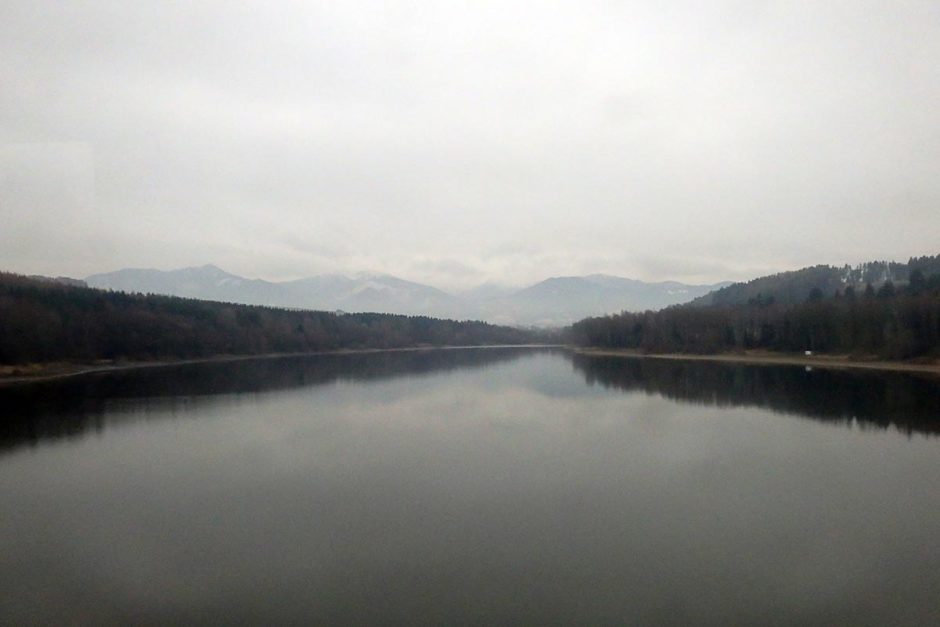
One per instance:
[(48, 320), (794, 287), (893, 321)]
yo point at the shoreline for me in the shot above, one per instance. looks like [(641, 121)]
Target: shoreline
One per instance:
[(50, 372), (54, 371), (773, 359)]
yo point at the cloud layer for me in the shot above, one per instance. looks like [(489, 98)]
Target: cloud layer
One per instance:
[(455, 143)]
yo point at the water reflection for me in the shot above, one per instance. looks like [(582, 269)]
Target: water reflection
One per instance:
[(481, 487), (868, 399), (74, 406)]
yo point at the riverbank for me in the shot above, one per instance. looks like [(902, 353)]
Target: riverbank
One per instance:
[(781, 359), (10, 375), (29, 373)]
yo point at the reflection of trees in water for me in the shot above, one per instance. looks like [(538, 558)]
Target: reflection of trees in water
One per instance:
[(73, 406), (907, 402)]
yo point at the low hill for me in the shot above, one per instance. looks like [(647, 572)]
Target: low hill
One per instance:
[(46, 321), (789, 313), (796, 286)]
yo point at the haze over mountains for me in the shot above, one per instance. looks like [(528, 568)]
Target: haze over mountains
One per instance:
[(552, 302)]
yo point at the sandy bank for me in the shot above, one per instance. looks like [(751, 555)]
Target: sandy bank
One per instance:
[(783, 359)]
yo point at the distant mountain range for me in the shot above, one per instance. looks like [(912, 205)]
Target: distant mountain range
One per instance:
[(553, 302), (564, 300)]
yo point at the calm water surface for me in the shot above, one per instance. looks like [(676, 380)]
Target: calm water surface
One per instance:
[(491, 486)]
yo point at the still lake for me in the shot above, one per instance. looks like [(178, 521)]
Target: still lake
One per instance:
[(477, 486)]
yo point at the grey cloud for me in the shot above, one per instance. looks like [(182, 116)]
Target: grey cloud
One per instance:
[(455, 143)]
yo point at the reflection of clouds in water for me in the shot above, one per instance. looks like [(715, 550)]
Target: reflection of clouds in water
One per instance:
[(396, 381), (68, 407), (431, 491)]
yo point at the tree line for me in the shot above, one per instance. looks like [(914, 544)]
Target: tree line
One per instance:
[(794, 286), (47, 321), (894, 322)]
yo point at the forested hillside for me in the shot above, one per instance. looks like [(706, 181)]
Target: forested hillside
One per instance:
[(44, 321), (796, 286), (895, 322)]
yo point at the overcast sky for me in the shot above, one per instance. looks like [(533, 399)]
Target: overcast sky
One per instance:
[(460, 142)]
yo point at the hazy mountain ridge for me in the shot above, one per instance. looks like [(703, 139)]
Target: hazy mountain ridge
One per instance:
[(325, 292), (553, 302), (563, 300)]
